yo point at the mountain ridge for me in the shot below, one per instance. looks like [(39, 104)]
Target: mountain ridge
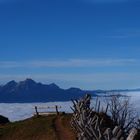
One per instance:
[(32, 91)]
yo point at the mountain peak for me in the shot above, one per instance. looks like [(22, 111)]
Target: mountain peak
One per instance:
[(26, 83), (28, 80), (32, 91), (10, 86), (11, 83)]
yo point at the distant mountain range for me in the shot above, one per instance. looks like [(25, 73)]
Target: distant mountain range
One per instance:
[(31, 91)]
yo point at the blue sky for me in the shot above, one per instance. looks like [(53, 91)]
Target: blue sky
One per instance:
[(91, 44)]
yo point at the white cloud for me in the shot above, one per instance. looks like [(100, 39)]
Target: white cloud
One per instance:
[(75, 63)]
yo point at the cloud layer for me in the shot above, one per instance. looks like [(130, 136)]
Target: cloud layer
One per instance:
[(68, 63), (120, 78)]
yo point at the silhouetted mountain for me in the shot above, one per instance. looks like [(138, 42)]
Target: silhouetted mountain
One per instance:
[(31, 91), (9, 86)]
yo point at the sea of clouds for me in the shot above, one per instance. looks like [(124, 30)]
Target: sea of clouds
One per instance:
[(20, 111)]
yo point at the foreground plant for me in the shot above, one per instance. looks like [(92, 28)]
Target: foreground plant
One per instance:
[(88, 123)]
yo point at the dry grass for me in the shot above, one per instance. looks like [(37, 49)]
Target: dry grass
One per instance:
[(42, 128)]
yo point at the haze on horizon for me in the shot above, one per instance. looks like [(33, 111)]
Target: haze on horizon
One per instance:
[(91, 44)]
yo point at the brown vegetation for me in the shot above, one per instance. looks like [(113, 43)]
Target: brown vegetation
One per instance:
[(39, 128), (93, 123)]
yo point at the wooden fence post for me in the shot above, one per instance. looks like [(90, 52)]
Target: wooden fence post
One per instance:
[(37, 114), (57, 112)]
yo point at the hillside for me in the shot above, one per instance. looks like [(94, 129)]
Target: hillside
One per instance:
[(43, 128)]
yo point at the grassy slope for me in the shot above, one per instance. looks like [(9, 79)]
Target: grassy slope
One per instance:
[(42, 128)]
